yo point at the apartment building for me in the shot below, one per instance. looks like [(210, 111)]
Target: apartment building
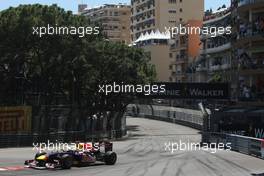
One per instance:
[(115, 20), (156, 44), (184, 49), (214, 63), (248, 17), (155, 16), (149, 15), (179, 58)]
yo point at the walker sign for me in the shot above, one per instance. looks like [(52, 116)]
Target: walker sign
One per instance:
[(193, 91)]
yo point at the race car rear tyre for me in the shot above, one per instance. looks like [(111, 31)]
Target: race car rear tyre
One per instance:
[(110, 158), (66, 162)]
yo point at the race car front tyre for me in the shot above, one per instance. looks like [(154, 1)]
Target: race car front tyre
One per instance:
[(110, 158), (66, 162)]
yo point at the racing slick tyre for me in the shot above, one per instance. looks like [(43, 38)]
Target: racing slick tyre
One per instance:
[(66, 162), (110, 158)]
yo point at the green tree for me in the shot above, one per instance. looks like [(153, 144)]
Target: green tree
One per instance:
[(64, 65)]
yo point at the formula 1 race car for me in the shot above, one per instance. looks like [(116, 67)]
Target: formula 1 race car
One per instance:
[(86, 154)]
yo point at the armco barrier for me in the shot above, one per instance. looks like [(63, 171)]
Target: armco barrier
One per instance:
[(192, 118), (186, 117), (243, 144)]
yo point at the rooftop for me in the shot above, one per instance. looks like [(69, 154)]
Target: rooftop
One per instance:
[(120, 5), (153, 35), (217, 15)]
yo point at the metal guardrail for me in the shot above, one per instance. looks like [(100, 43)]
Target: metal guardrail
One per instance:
[(187, 117), (242, 144)]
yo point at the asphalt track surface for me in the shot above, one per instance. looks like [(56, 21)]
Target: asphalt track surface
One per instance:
[(143, 153)]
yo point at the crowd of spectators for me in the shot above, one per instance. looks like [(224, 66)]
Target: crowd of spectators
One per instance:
[(254, 28), (213, 15), (247, 62), (254, 92)]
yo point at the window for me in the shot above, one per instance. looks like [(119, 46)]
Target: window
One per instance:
[(180, 9), (172, 11), (172, 1)]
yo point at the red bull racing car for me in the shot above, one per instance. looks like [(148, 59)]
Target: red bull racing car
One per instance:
[(84, 154)]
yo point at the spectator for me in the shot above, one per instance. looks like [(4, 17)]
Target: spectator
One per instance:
[(246, 92), (256, 27), (242, 28)]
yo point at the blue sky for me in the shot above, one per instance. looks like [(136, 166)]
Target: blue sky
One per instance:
[(73, 4)]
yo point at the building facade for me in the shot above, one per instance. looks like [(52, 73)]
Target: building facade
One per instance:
[(115, 21), (184, 49), (248, 17), (171, 60), (179, 58), (156, 44), (149, 15), (214, 62)]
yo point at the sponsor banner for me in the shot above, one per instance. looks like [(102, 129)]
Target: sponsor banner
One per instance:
[(192, 91), (15, 119)]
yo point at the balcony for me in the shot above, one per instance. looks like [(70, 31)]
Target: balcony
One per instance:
[(201, 69), (178, 74), (249, 35), (216, 49), (215, 68), (249, 2), (181, 60), (225, 66), (251, 69), (217, 18)]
